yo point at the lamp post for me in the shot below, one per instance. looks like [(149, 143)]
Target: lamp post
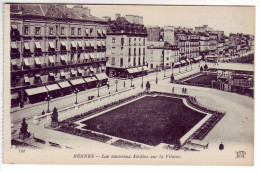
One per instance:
[(164, 73), (48, 99), (116, 82), (131, 78), (98, 85), (142, 85), (156, 80), (76, 92)]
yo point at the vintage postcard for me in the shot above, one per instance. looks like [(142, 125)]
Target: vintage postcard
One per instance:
[(128, 84)]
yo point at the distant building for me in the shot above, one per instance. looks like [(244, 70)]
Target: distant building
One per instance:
[(126, 47)]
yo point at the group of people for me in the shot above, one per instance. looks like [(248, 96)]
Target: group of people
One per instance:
[(184, 90)]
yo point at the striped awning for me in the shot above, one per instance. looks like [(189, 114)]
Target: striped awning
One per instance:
[(64, 84), (51, 59), (26, 62), (90, 79), (38, 45), (37, 61), (34, 91), (101, 76), (77, 81), (51, 45), (52, 87)]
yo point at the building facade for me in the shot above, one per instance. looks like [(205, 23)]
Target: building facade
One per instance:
[(52, 44), (126, 47)]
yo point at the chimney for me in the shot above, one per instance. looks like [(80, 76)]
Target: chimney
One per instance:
[(117, 15), (86, 11), (106, 18), (78, 9)]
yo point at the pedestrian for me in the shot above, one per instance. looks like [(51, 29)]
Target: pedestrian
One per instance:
[(182, 90), (107, 86), (124, 83), (172, 89), (43, 112)]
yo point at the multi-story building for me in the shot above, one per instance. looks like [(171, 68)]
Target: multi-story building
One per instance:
[(162, 55), (126, 46), (213, 43), (154, 33), (204, 44), (53, 44)]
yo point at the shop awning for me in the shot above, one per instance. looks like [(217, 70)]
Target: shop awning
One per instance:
[(51, 45), (188, 60), (87, 43), (13, 62), (26, 46), (64, 84), (37, 61), (37, 75), (52, 87), (51, 59), (130, 70), (104, 32), (99, 43), (183, 62), (77, 81), (177, 64), (26, 62), (14, 26), (80, 70), (73, 72), (87, 31), (79, 43), (198, 58), (26, 79), (103, 43), (51, 74), (101, 76), (63, 58), (62, 73), (73, 44), (91, 43), (145, 68), (34, 91), (140, 69), (13, 45), (91, 55), (99, 31), (38, 45), (86, 56), (90, 79), (135, 70)]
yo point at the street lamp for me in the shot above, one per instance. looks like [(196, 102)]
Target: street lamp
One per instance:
[(76, 92), (142, 85), (131, 78), (48, 99), (116, 82), (156, 81), (98, 85), (172, 67)]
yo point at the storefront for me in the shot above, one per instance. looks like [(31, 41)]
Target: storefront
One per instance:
[(183, 62), (102, 78), (36, 94), (65, 87), (91, 82), (78, 83), (54, 90), (177, 64)]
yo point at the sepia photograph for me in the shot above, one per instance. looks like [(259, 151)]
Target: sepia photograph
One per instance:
[(129, 84)]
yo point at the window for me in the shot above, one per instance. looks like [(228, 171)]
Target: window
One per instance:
[(72, 31), (121, 62), (167, 58), (143, 51), (37, 30), (134, 52), (113, 40), (62, 30), (139, 51), (129, 41), (26, 30), (151, 66), (122, 41), (129, 52), (51, 31), (144, 41), (91, 31), (129, 59), (113, 61), (79, 31)]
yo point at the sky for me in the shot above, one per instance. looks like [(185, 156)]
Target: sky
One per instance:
[(229, 19)]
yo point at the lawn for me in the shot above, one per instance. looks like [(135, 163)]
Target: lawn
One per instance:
[(149, 120), (204, 79)]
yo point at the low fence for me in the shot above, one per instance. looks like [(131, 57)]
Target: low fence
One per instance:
[(88, 105)]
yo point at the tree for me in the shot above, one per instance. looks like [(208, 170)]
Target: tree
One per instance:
[(201, 68), (54, 115), (24, 130), (148, 86), (172, 78)]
